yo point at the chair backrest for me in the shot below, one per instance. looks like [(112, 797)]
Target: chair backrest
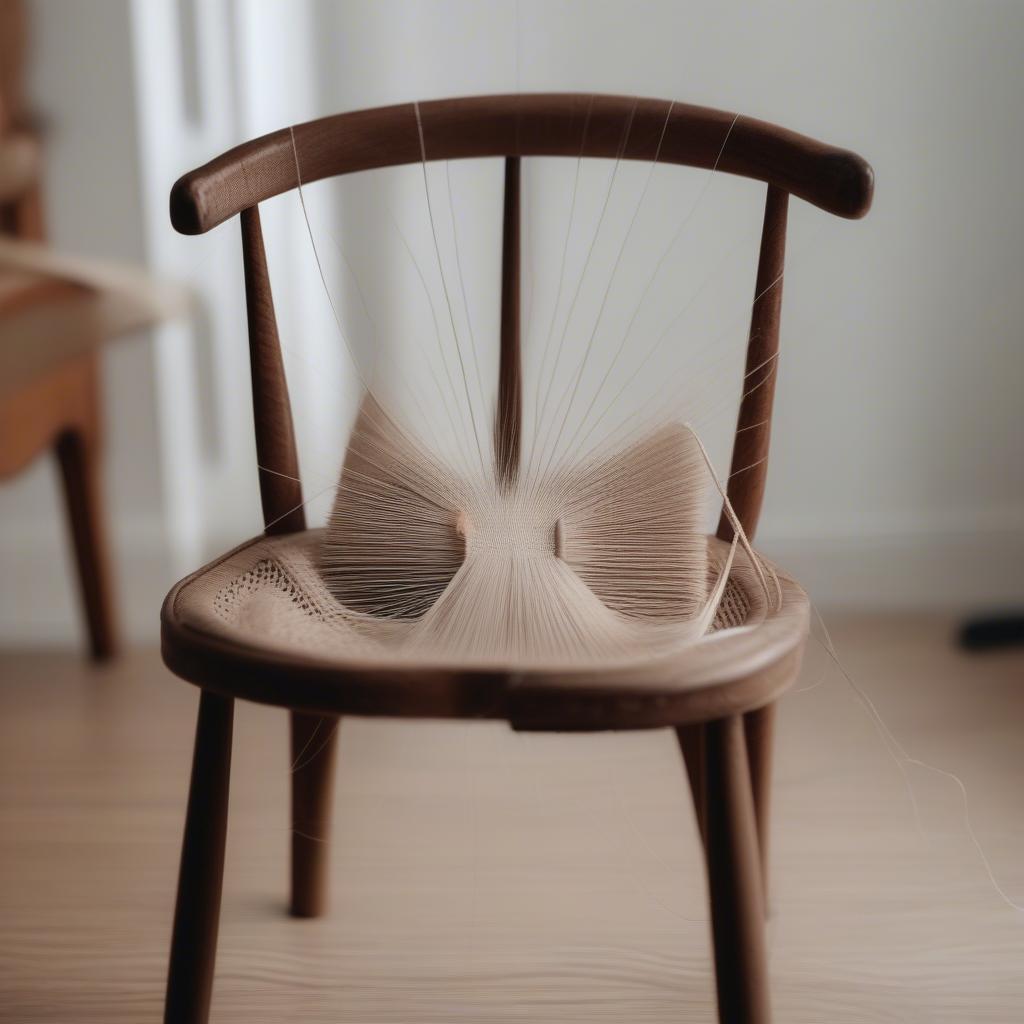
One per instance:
[(20, 170), (514, 127)]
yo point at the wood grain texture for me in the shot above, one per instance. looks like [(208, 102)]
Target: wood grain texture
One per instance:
[(712, 682), (201, 875), (520, 125), (283, 512), (748, 471), (280, 487), (314, 743), (692, 746), (748, 476), (508, 426), (734, 877), (511, 126), (78, 456), (759, 731), (497, 878)]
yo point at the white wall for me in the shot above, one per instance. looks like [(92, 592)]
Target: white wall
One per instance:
[(896, 473)]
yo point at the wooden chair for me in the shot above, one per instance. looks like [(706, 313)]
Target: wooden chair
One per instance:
[(54, 314), (720, 697)]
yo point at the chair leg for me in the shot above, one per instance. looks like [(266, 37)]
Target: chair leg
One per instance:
[(77, 453), (314, 742), (691, 742), (759, 729), (197, 912), (734, 878)]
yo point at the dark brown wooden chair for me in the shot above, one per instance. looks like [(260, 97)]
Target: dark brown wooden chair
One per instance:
[(720, 699)]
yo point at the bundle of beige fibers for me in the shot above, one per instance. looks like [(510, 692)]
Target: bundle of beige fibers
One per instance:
[(559, 543), (492, 556), (604, 560)]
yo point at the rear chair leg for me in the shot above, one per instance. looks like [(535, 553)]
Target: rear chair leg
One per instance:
[(77, 453), (759, 729), (691, 742), (314, 742), (197, 913)]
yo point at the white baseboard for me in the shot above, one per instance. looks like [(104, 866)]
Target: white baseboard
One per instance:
[(952, 572)]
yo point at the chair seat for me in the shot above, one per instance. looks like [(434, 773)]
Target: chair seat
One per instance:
[(260, 624), (54, 309)]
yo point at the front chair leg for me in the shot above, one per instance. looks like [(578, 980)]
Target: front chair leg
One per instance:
[(734, 877), (314, 741), (759, 729), (197, 912)]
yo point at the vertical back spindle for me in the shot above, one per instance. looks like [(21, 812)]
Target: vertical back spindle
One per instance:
[(508, 425), (753, 430), (280, 487)]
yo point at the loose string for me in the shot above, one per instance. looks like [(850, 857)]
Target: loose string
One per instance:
[(902, 758)]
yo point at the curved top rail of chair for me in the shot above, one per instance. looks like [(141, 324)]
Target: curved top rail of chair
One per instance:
[(539, 124)]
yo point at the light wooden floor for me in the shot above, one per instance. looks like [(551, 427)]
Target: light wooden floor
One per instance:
[(483, 876)]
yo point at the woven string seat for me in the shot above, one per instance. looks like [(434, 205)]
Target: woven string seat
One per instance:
[(282, 637)]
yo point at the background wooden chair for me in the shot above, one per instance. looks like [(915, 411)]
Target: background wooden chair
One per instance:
[(720, 698), (54, 314)]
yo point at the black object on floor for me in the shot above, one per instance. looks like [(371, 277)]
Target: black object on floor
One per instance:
[(994, 631)]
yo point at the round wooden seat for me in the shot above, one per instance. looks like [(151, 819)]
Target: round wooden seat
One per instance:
[(259, 624)]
